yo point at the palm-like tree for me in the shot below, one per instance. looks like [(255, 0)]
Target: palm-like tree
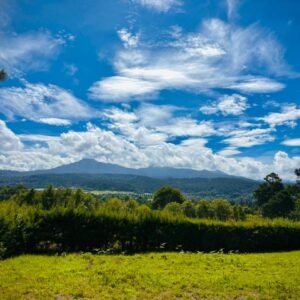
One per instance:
[(3, 75)]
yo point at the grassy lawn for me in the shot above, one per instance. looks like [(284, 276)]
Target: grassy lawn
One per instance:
[(152, 276)]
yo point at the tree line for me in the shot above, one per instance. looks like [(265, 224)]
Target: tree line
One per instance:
[(56, 220)]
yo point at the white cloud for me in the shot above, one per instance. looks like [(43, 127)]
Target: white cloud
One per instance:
[(292, 142), (120, 88), (159, 5), (153, 124), (229, 151), (232, 7), (28, 51), (129, 40), (43, 103), (106, 146), (283, 164), (55, 121), (258, 85), (227, 105), (8, 140), (242, 138), (218, 56), (37, 138), (288, 116)]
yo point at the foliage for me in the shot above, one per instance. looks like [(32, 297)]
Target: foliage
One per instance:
[(239, 190), (65, 220), (276, 199), (280, 205), (165, 195), (272, 185)]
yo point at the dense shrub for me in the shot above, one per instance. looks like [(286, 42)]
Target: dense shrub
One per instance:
[(75, 221)]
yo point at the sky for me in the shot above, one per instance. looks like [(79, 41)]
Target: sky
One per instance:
[(201, 84)]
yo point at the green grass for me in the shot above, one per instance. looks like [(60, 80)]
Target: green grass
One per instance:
[(152, 276)]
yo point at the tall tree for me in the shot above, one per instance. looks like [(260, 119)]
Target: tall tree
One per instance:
[(280, 205), (272, 185), (165, 195)]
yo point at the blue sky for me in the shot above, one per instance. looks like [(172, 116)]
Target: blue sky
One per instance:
[(199, 84)]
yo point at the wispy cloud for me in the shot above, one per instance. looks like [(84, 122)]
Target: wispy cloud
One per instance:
[(232, 8), (22, 52), (288, 116), (154, 124), (292, 142), (130, 40), (43, 103), (55, 121), (218, 56), (226, 105), (162, 6), (243, 138)]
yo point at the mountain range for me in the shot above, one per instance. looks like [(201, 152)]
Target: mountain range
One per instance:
[(91, 166), (93, 175)]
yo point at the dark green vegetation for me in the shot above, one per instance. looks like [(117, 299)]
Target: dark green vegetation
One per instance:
[(232, 188), (275, 199), (152, 276), (59, 220)]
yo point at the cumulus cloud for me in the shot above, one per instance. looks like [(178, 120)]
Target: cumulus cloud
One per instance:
[(159, 5), (9, 141), (43, 103), (218, 56), (288, 116), (106, 146), (227, 105), (153, 124)]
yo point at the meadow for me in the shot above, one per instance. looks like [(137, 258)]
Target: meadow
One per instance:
[(152, 276)]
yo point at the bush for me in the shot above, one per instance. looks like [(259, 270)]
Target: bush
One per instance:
[(74, 221), (165, 195)]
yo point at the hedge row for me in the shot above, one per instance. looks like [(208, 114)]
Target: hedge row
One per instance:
[(39, 231)]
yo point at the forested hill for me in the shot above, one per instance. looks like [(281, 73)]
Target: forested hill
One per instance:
[(232, 188)]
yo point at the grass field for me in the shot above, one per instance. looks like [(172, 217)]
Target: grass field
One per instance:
[(152, 276)]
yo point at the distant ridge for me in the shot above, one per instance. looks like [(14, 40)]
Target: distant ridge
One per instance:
[(92, 175), (91, 166)]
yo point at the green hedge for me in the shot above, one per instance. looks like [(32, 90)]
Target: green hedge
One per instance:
[(32, 230)]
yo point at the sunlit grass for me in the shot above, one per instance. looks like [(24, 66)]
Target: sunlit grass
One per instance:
[(152, 276)]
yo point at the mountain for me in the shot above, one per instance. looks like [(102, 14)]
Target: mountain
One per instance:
[(91, 166), (231, 188), (93, 175)]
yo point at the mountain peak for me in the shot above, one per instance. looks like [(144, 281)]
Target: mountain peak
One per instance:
[(92, 166)]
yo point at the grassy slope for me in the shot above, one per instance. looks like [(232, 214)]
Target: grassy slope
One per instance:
[(152, 276)]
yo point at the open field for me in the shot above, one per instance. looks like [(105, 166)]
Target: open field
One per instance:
[(152, 276)]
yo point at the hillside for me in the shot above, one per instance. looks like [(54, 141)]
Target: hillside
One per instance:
[(235, 189)]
